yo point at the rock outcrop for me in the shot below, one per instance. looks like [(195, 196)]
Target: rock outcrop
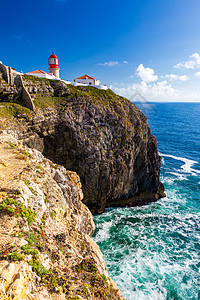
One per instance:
[(103, 137), (46, 250)]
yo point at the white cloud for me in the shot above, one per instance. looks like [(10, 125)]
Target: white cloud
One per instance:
[(146, 74), (173, 77), (113, 63), (109, 63), (197, 74), (159, 90), (192, 63)]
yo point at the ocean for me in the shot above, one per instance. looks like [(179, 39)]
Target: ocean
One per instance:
[(153, 252)]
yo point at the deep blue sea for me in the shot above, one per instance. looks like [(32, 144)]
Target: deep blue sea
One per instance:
[(153, 252)]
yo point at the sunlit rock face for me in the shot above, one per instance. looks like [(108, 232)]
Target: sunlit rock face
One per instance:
[(46, 251)]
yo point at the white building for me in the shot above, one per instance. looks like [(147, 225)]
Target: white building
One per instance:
[(87, 80), (42, 74)]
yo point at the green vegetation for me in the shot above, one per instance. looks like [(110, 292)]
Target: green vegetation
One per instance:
[(13, 207), (31, 238), (53, 281), (96, 283), (9, 110), (39, 170), (46, 102), (86, 265), (30, 250), (80, 94), (38, 267), (15, 256), (34, 241), (35, 79), (24, 152), (16, 192), (105, 278), (95, 95), (9, 252)]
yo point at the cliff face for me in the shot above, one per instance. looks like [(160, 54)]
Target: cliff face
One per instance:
[(45, 247), (101, 136)]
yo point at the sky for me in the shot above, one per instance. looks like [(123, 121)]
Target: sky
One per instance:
[(139, 48)]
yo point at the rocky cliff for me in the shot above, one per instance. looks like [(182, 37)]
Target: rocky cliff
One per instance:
[(103, 137), (46, 251)]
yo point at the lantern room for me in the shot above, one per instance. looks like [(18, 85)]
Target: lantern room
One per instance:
[(54, 65)]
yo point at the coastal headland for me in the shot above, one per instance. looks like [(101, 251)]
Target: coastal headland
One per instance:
[(46, 221)]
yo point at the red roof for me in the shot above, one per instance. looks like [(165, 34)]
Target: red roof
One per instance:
[(38, 72), (53, 55), (85, 77)]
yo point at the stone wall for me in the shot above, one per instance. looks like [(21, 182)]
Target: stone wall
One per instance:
[(26, 97), (10, 76), (13, 77)]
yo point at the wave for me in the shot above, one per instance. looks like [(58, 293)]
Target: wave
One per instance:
[(188, 164), (104, 233), (152, 252)]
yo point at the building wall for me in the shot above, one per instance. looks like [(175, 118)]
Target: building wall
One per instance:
[(85, 81), (97, 82), (37, 75), (42, 75)]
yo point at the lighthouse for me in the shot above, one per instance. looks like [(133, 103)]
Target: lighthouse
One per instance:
[(54, 65)]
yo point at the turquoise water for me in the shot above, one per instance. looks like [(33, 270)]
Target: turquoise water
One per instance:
[(153, 252)]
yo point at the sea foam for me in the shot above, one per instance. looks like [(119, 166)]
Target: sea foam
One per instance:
[(188, 163)]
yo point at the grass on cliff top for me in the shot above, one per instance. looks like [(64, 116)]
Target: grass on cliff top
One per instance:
[(93, 92), (35, 79), (79, 94), (8, 109), (46, 102), (106, 97), (9, 114)]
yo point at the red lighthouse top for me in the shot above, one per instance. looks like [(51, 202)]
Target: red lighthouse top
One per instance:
[(53, 61)]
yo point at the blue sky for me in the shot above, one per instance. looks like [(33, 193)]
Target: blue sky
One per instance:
[(149, 46)]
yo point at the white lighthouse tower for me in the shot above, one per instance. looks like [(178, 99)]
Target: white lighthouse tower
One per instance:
[(54, 65)]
